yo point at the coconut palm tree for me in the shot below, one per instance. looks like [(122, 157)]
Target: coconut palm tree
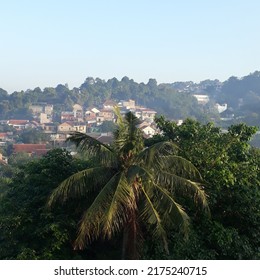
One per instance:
[(134, 186)]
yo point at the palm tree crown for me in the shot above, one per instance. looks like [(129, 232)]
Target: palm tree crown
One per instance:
[(134, 185)]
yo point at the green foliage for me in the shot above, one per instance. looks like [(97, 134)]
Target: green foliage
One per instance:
[(27, 229), (107, 126), (94, 92), (133, 188), (230, 168), (32, 136)]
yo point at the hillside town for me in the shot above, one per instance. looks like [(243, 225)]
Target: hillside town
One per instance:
[(80, 119), (87, 120)]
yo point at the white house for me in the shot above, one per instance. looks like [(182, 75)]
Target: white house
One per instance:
[(202, 99), (221, 108), (148, 131)]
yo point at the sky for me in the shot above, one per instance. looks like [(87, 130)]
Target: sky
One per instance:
[(49, 42)]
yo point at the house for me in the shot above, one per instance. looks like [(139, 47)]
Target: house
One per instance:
[(3, 160), (68, 127), (48, 109), (77, 107), (90, 121), (221, 108), (44, 118), (67, 116), (148, 131), (106, 115), (4, 136), (30, 149), (143, 124), (201, 98), (65, 127), (78, 111), (92, 112), (80, 127), (130, 104), (109, 105), (49, 128), (19, 124), (148, 114)]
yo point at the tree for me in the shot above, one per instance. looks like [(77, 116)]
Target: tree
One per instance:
[(107, 126), (134, 187), (33, 136), (231, 169), (27, 229)]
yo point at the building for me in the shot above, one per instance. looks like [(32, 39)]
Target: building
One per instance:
[(19, 124), (148, 114), (41, 107), (106, 115), (221, 108), (92, 112), (130, 104), (3, 160), (68, 127), (30, 149), (148, 131), (77, 107), (49, 128), (77, 111), (44, 118), (202, 99), (67, 116), (109, 105)]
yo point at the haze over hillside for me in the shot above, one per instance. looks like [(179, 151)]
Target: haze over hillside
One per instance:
[(175, 100)]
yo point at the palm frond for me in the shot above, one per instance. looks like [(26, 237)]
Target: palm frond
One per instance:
[(80, 184), (119, 120), (91, 225), (172, 212), (137, 171), (150, 214), (123, 203), (127, 136), (150, 156), (180, 186), (180, 166), (92, 146)]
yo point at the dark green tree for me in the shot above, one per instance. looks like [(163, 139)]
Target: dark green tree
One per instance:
[(27, 229), (231, 169)]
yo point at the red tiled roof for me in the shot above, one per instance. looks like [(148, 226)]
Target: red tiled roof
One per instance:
[(18, 121), (28, 148), (3, 134)]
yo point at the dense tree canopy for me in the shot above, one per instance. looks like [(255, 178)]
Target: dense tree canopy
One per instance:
[(229, 166), (134, 188), (231, 169)]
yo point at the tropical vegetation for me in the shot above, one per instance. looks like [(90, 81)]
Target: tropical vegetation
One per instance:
[(139, 175), (134, 187)]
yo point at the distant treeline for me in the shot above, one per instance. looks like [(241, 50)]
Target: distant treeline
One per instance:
[(174, 100)]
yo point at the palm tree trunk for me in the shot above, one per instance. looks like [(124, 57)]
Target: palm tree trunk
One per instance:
[(129, 247)]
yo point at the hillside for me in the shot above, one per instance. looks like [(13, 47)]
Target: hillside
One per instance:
[(175, 100)]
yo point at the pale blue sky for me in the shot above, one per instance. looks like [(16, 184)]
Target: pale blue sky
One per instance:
[(49, 42)]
